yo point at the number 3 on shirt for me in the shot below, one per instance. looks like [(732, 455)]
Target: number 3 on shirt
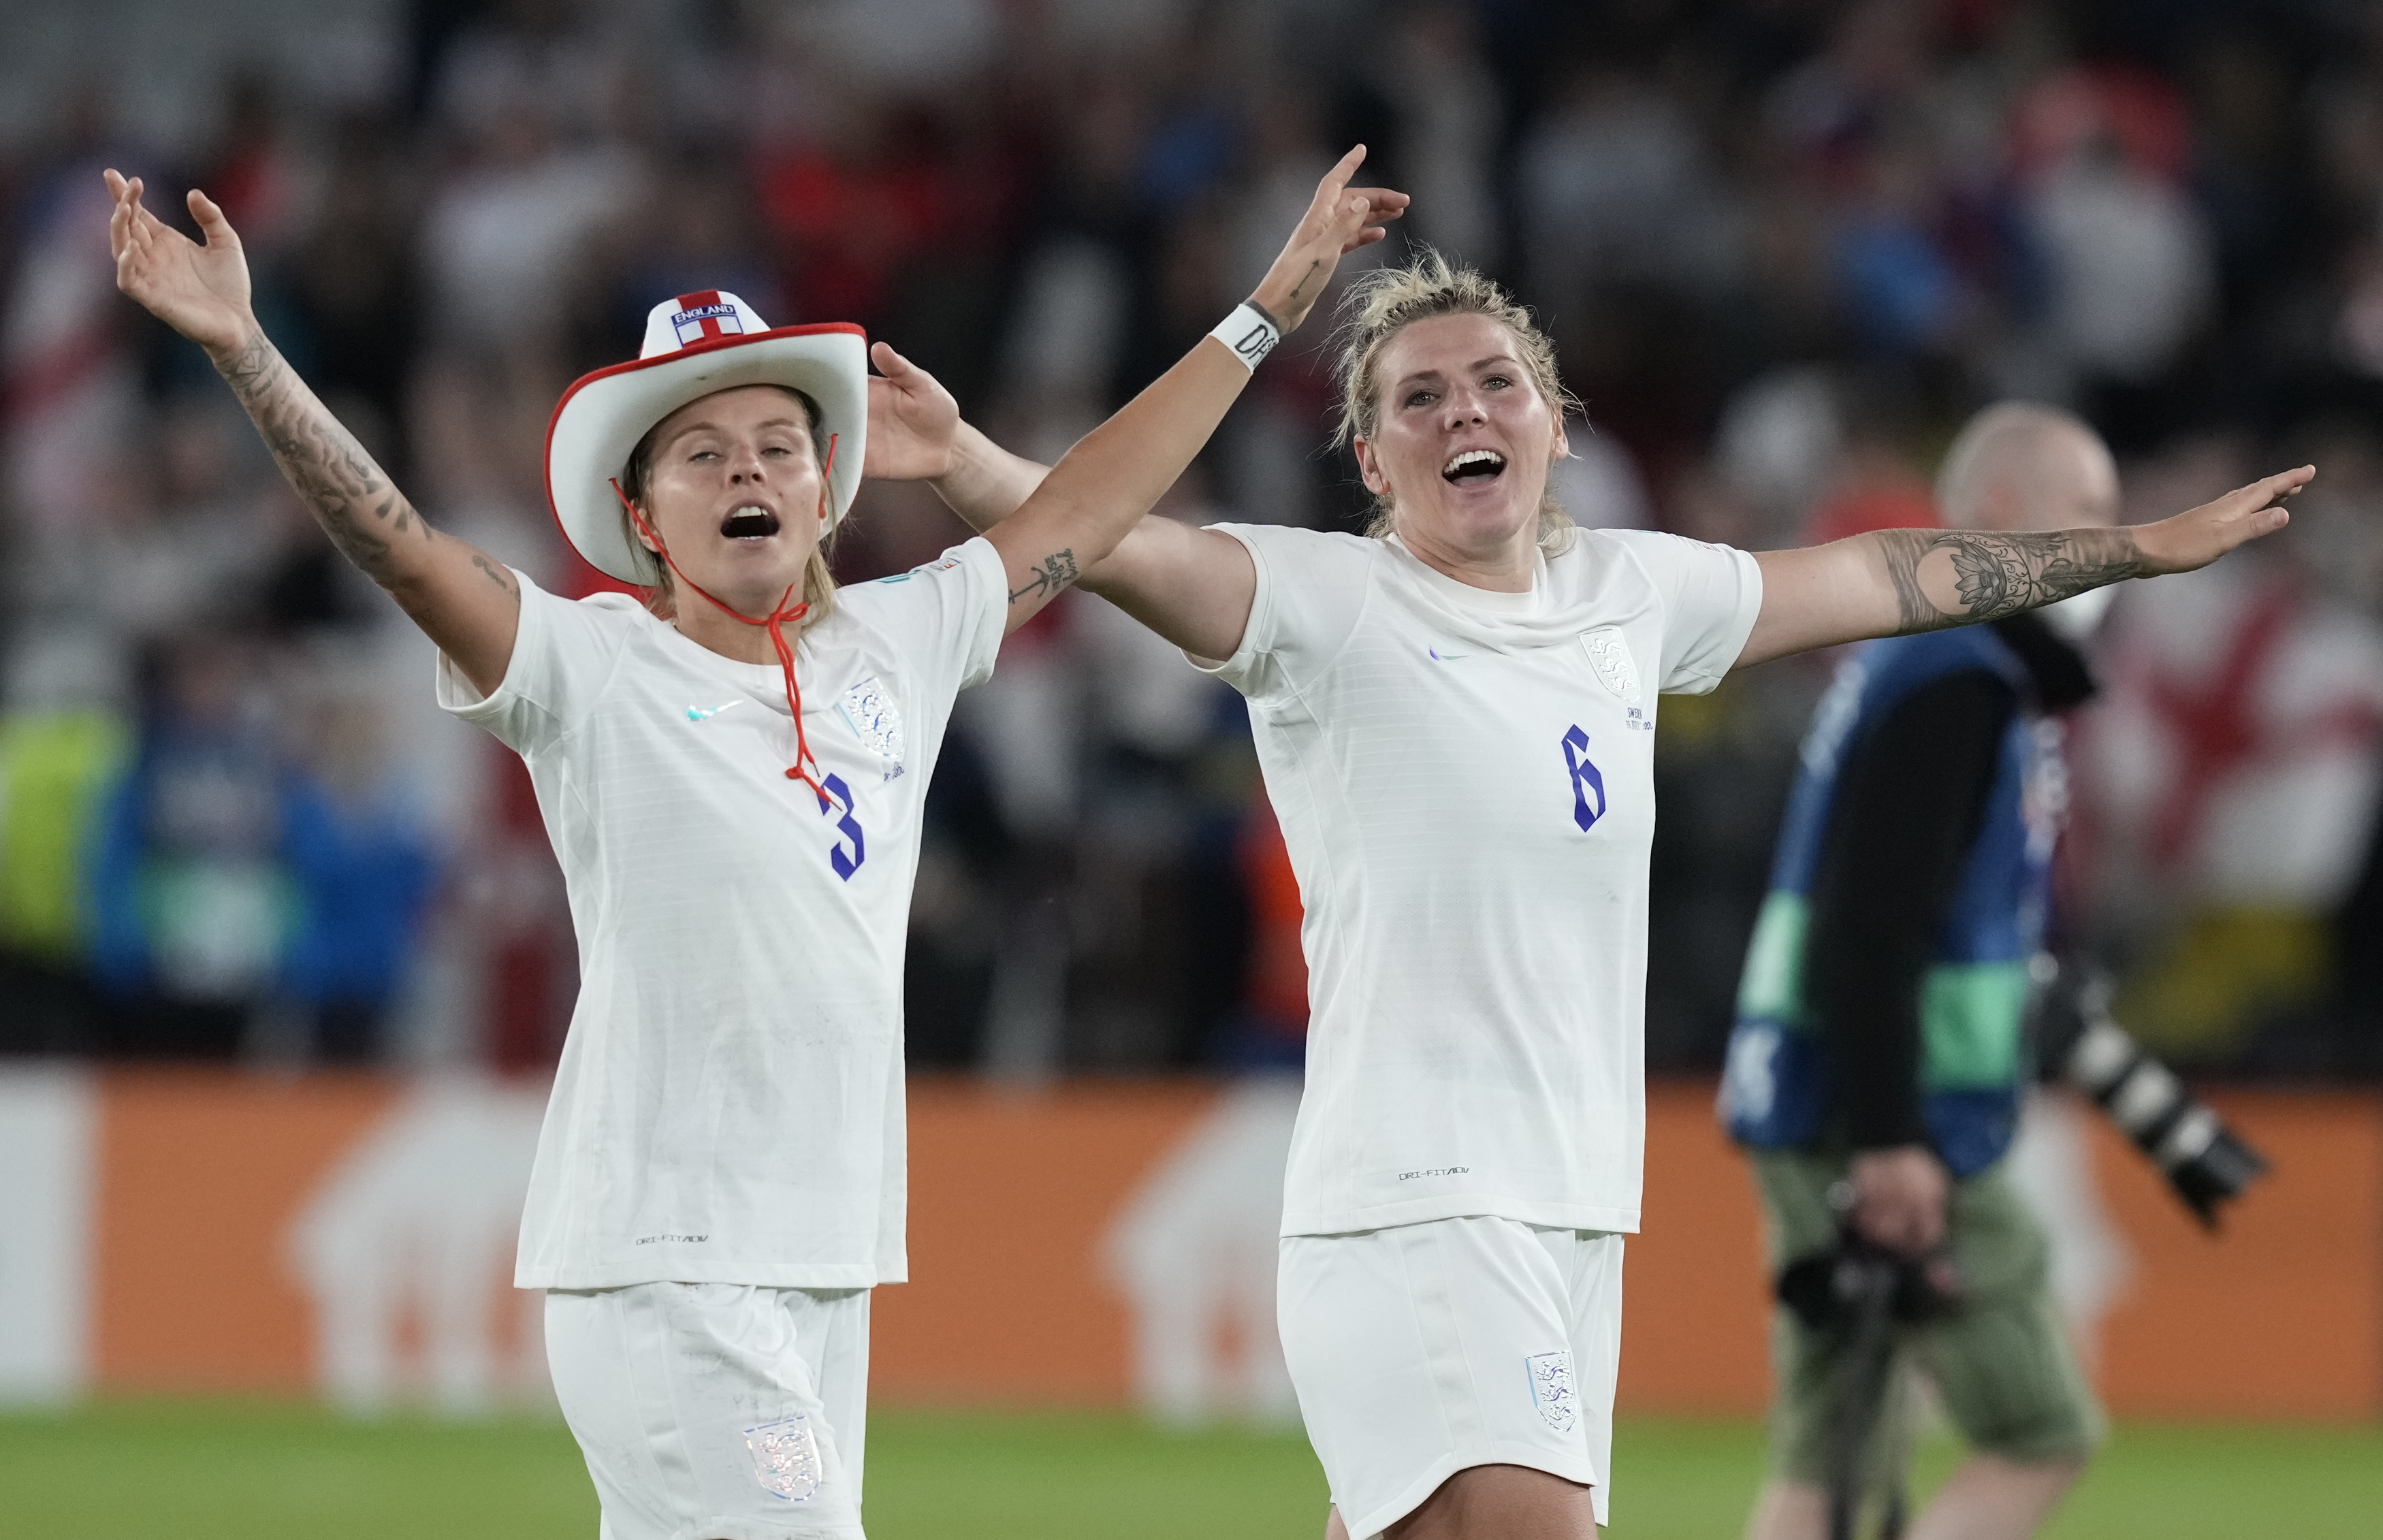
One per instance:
[(847, 863), (1588, 783)]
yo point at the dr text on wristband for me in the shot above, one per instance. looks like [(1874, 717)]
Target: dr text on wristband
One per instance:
[(1251, 333)]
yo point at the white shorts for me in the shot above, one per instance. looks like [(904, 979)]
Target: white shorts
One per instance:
[(1425, 1350), (716, 1411)]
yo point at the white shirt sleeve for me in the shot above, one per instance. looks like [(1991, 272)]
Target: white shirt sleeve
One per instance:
[(1710, 596), (947, 615), (1311, 589), (565, 652)]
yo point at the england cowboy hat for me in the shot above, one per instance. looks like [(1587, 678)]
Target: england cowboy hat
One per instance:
[(695, 344)]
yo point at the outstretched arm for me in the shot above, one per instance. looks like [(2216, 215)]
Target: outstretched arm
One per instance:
[(1192, 587), (1081, 513), (1893, 581), (465, 599)]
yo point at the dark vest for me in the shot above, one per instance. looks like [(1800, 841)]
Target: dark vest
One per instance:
[(1974, 1001)]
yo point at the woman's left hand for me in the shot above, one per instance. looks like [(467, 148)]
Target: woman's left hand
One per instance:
[(2199, 535), (1340, 219)]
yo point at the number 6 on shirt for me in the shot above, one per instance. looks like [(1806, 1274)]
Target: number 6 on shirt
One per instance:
[(1587, 782)]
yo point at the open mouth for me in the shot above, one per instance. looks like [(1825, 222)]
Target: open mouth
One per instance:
[(750, 523), (1473, 466)]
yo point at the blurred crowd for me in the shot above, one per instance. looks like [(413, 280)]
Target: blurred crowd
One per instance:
[(1785, 246)]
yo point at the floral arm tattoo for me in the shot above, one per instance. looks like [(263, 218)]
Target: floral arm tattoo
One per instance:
[(1996, 575), (352, 498), (1057, 571)]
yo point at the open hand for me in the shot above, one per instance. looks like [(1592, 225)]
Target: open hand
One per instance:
[(913, 420), (200, 292), (1340, 219), (2199, 535)]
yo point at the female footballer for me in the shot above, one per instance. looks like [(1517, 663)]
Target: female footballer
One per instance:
[(1456, 720), (732, 775)]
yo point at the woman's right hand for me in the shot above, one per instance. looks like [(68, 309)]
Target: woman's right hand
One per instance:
[(460, 597), (1340, 219), (200, 292)]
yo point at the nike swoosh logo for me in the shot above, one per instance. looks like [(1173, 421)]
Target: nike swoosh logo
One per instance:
[(1440, 657), (705, 713)]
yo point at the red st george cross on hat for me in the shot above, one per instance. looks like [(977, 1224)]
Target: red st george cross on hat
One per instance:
[(705, 313)]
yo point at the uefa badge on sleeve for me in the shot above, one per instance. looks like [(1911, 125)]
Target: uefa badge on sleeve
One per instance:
[(785, 1458)]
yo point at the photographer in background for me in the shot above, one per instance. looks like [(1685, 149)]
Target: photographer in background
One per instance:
[(1878, 1062)]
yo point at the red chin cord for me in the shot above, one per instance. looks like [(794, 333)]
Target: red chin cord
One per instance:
[(805, 768)]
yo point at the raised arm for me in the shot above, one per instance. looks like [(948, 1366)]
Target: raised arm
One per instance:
[(1081, 513), (462, 599), (1893, 581), (1192, 587)]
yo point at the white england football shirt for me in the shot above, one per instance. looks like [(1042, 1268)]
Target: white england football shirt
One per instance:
[(729, 1104), (1466, 782)]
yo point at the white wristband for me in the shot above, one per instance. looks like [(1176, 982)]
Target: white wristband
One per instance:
[(1250, 333)]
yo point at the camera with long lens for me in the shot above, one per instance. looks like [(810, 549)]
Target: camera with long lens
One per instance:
[(1828, 1289), (1859, 1292), (2204, 1160)]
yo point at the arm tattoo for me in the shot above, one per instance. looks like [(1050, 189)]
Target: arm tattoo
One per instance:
[(497, 575), (1996, 575), (1299, 288), (1057, 571), (350, 497)]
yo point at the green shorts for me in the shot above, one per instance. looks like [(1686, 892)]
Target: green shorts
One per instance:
[(2000, 1360)]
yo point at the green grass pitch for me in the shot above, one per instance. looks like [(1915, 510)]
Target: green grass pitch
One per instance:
[(207, 1470)]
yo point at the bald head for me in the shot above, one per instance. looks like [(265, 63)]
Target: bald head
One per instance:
[(2020, 467)]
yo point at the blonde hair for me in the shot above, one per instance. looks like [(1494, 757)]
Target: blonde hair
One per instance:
[(1387, 300), (819, 582)]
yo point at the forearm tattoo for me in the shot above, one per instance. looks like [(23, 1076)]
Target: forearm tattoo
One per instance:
[(357, 504), (1996, 575), (1057, 571), (1301, 288)]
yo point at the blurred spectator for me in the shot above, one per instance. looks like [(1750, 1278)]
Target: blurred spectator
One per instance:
[(955, 916), (1268, 450), (1599, 483), (1065, 336), (1270, 1031), (1451, 120), (2126, 255), (67, 386), (1777, 443), (1164, 785), (1785, 249), (502, 233), (545, 55), (194, 885), (1900, 287), (349, 277), (191, 552), (1616, 191), (702, 237), (62, 743), (1875, 483), (256, 173), (2235, 766), (364, 869)]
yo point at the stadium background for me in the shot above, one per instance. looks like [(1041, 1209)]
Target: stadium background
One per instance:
[(283, 956)]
